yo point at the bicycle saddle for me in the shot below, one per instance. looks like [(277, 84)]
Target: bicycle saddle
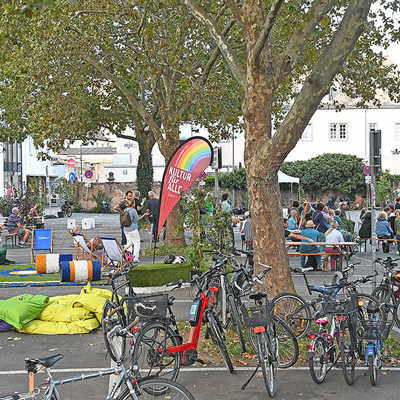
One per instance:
[(372, 308), (31, 364), (258, 296), (302, 269)]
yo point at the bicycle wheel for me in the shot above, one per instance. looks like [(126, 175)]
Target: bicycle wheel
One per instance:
[(236, 320), (373, 371), (69, 212), (267, 362), (318, 363), (147, 387), (219, 339), (294, 310), (288, 347), (348, 359), (151, 353), (381, 293), (112, 322)]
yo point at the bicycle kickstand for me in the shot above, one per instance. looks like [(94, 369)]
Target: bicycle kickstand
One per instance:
[(251, 377)]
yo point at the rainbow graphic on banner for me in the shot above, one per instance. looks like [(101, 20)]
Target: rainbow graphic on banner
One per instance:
[(194, 153)]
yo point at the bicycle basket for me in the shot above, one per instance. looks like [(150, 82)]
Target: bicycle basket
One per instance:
[(254, 317), (376, 330), (341, 305), (147, 307)]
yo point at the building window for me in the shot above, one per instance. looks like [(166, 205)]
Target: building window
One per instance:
[(307, 134), (397, 131), (338, 131)]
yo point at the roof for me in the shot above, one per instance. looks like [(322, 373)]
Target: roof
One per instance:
[(283, 178), (76, 151)]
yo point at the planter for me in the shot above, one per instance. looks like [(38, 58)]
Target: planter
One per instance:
[(158, 274)]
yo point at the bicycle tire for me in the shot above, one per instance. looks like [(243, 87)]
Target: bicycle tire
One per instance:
[(288, 346), (373, 371), (153, 337), (111, 325), (236, 321), (318, 374), (382, 293), (348, 364), (267, 362), (292, 308), (174, 390), (218, 339)]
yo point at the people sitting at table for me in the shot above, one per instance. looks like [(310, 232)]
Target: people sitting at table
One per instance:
[(14, 226), (293, 220), (384, 231), (333, 235), (309, 234)]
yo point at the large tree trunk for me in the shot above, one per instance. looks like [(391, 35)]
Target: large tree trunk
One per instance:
[(263, 185), (144, 171), (174, 233)]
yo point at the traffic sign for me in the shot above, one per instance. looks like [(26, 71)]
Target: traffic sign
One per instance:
[(89, 174), (367, 170), (368, 179), (72, 177), (71, 163)]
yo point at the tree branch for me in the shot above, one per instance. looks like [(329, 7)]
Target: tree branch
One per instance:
[(135, 105), (230, 56), (318, 83), (265, 31), (236, 11), (301, 35)]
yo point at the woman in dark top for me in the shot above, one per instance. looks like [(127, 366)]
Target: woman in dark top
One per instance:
[(365, 229)]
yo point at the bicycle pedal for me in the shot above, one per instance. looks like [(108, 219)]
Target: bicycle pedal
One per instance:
[(202, 362)]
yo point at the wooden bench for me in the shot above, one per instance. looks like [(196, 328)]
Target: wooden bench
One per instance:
[(13, 236)]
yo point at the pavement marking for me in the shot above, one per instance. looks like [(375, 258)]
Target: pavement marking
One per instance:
[(189, 369)]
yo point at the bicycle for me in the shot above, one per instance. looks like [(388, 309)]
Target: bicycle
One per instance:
[(159, 346), (388, 291), (66, 208), (269, 331), (375, 333), (127, 386), (299, 313)]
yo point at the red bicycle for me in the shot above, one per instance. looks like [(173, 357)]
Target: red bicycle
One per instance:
[(159, 348)]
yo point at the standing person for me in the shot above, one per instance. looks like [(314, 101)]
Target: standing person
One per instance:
[(225, 205), (397, 205), (132, 232), (14, 226), (333, 235), (390, 216), (247, 231), (120, 208), (152, 207), (209, 203), (365, 228), (308, 234), (139, 204), (319, 219), (397, 228)]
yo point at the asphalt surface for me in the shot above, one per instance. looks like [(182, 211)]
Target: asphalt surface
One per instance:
[(88, 351)]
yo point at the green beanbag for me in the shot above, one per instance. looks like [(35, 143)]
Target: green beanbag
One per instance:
[(19, 310)]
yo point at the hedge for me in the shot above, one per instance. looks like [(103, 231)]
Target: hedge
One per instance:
[(158, 274)]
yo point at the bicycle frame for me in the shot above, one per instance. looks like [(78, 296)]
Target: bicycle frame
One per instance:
[(195, 332), (122, 377)]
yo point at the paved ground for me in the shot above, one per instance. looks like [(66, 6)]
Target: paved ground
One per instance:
[(87, 351)]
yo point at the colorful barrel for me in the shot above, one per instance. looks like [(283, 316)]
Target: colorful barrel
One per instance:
[(80, 271), (50, 263)]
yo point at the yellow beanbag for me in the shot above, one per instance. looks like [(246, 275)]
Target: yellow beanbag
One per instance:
[(59, 328), (57, 312)]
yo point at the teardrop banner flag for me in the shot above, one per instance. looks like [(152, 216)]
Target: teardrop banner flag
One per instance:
[(185, 166)]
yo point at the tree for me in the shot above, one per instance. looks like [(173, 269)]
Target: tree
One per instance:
[(337, 172), (286, 55), (82, 65)]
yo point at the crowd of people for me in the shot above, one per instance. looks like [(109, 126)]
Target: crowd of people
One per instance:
[(319, 223)]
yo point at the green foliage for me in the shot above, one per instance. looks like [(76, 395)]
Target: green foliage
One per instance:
[(384, 188), (64, 189), (337, 172), (192, 204), (99, 197), (232, 180)]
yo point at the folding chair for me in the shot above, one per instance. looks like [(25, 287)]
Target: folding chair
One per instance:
[(115, 254), (42, 239), (82, 251)]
